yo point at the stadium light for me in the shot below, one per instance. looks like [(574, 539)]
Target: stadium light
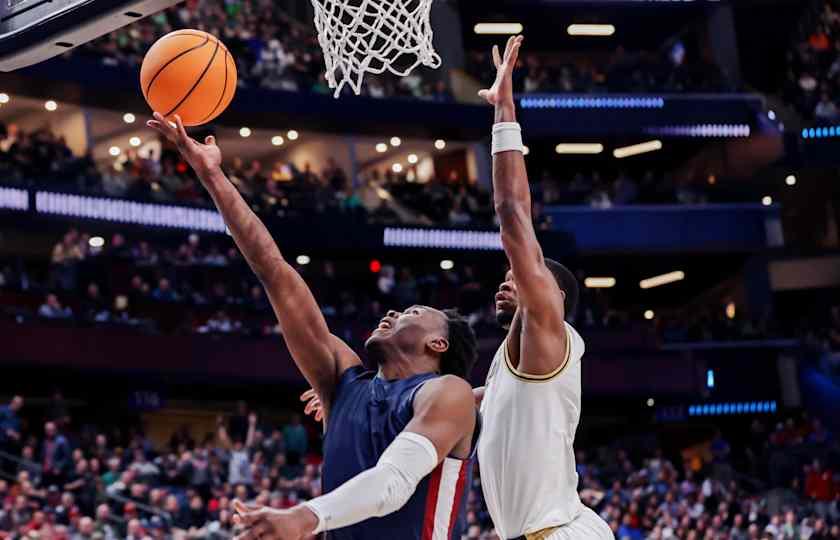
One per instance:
[(790, 180), (277, 140), (579, 148), (50, 105), (599, 282), (730, 310), (767, 200), (96, 242), (135, 141), (129, 118), (114, 151), (650, 402), (292, 135), (412, 158), (396, 141), (397, 168), (503, 28), (636, 149), (381, 147), (649, 314), (4, 98), (303, 259), (440, 144), (244, 132), (663, 279), (599, 30), (703, 130), (447, 264)]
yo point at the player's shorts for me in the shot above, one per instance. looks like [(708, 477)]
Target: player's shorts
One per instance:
[(588, 525)]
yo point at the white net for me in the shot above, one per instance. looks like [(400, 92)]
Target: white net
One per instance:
[(373, 36)]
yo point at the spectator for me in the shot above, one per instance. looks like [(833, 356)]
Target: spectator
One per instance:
[(52, 309), (66, 256), (10, 424), (95, 307), (295, 437), (239, 469), (164, 292), (55, 455), (826, 110)]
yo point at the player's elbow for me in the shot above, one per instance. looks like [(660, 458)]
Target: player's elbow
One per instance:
[(398, 489), (509, 208), (513, 215)]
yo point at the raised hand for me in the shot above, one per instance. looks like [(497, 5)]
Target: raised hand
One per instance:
[(203, 158), (502, 90), (313, 406)]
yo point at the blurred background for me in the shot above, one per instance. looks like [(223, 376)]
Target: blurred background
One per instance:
[(683, 159)]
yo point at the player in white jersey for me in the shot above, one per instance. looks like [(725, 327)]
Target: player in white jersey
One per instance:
[(532, 398)]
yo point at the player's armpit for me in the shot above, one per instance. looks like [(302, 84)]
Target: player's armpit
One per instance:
[(444, 413)]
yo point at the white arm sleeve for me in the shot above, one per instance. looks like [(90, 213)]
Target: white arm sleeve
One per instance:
[(381, 490)]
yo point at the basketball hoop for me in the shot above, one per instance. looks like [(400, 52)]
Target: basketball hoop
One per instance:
[(373, 36)]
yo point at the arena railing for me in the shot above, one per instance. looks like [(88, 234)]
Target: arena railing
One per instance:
[(679, 228), (9, 461)]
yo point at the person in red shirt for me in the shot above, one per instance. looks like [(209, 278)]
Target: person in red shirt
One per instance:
[(819, 40), (819, 486)]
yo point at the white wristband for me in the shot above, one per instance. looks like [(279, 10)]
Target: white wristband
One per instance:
[(507, 136)]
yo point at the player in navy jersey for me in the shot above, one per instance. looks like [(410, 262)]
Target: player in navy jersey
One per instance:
[(399, 441)]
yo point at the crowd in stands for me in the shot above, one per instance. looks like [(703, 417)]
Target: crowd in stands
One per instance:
[(271, 49), (623, 72), (290, 190), (607, 189), (42, 158), (204, 286), (74, 479), (813, 76)]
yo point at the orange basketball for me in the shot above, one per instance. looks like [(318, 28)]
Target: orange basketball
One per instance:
[(189, 73)]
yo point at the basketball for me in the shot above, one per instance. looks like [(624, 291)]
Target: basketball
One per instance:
[(189, 73)]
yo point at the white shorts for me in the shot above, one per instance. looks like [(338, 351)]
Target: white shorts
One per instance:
[(587, 526)]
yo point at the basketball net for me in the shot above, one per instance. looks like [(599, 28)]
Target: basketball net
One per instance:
[(371, 36)]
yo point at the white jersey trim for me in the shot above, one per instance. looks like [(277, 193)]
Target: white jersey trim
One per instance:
[(527, 377)]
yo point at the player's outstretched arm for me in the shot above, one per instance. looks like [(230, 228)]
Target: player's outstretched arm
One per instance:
[(319, 355), (443, 423), (539, 294)]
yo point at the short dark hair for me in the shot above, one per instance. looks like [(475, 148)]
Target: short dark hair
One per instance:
[(568, 283), (462, 353)]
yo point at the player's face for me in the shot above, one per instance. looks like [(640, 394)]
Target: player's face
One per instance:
[(409, 329), (506, 301)]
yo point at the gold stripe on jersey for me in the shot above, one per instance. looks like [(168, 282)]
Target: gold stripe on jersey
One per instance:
[(541, 535), (540, 378)]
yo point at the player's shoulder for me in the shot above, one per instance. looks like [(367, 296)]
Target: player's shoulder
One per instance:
[(449, 384), (446, 390), (575, 341)]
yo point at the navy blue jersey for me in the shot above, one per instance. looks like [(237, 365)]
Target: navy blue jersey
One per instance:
[(366, 415)]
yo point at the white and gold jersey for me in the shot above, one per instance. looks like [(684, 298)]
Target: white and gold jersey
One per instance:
[(526, 455)]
